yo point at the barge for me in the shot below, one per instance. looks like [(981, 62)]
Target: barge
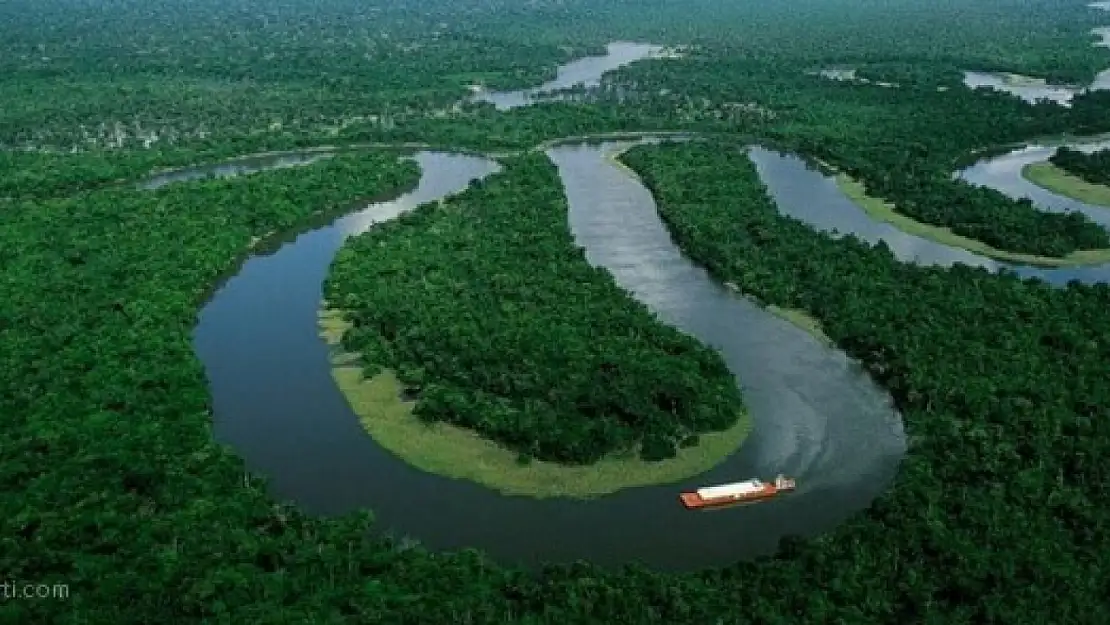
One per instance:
[(736, 492)]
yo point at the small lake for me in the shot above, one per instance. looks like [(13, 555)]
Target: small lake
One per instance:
[(1023, 87)]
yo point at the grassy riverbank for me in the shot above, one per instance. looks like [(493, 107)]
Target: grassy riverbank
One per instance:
[(881, 210), (615, 160), (460, 453), (803, 320), (799, 318), (1052, 178)]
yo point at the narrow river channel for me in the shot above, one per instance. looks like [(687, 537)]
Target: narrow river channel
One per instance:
[(812, 197)]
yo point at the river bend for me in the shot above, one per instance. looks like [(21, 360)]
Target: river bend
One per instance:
[(817, 415)]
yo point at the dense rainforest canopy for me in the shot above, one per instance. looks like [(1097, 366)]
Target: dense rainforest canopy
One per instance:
[(543, 352), (105, 403), (115, 486), (1093, 167)]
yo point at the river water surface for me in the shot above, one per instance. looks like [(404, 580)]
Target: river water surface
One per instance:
[(817, 415), (586, 71)]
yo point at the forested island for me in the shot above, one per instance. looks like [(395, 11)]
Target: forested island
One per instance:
[(492, 320), (478, 316)]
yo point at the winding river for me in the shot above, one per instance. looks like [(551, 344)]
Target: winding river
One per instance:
[(817, 415)]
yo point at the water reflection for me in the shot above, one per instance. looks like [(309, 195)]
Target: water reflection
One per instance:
[(814, 198), (451, 169)]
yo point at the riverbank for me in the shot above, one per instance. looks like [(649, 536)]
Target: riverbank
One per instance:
[(803, 320), (1052, 178), (460, 453), (799, 318), (881, 210)]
